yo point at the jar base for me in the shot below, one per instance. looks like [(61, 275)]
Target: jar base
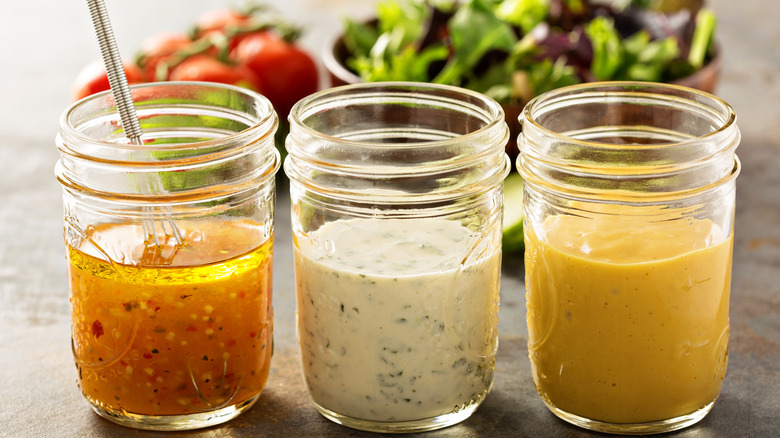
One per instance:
[(413, 426), (192, 421), (649, 428)]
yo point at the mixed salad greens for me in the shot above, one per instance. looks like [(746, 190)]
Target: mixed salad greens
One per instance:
[(512, 50)]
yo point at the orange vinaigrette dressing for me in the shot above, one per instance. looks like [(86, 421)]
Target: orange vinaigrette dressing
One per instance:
[(191, 337)]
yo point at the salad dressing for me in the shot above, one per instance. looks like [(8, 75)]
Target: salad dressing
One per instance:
[(190, 337), (392, 325), (628, 322)]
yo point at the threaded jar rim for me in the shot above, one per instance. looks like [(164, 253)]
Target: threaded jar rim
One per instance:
[(393, 131), (628, 140), (237, 127)]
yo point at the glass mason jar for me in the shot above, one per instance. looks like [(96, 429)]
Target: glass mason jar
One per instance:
[(629, 216), (396, 192), (169, 248)]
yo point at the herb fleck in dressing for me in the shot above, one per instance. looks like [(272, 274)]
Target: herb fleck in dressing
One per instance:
[(393, 327)]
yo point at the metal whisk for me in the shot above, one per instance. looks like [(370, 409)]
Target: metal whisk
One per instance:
[(124, 103)]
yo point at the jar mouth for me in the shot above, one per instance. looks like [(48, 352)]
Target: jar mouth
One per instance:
[(370, 139), (94, 122), (198, 139), (721, 115), (631, 137), (483, 110)]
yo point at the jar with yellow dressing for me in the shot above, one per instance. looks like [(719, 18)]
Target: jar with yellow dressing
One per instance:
[(629, 210)]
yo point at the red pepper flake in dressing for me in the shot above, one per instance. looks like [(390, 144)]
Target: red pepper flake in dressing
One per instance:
[(148, 355), (191, 328), (97, 329)]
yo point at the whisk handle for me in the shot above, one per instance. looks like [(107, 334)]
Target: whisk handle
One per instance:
[(116, 72)]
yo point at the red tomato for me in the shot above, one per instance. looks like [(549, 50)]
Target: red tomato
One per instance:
[(225, 22), (159, 48), (285, 72), (218, 20), (208, 69), (94, 79)]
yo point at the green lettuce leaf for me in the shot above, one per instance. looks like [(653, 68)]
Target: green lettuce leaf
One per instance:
[(526, 14), (475, 30), (607, 48)]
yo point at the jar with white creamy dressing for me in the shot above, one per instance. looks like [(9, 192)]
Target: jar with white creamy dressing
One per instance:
[(396, 192)]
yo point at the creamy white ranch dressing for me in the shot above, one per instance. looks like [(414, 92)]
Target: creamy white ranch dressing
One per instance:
[(393, 326)]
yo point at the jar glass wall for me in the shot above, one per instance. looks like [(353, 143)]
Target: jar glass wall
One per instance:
[(629, 210), (169, 249), (396, 192)]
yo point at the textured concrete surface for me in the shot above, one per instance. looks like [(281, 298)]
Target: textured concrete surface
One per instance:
[(38, 392)]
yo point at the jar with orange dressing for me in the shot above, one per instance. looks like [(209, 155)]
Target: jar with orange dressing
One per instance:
[(169, 250), (629, 210)]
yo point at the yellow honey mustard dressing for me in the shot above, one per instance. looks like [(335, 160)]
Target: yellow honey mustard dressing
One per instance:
[(189, 337), (628, 322)]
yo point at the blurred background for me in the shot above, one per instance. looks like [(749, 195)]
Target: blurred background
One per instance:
[(46, 46)]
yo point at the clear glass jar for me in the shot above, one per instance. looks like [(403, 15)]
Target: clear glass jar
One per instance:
[(396, 193), (169, 249), (629, 218)]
